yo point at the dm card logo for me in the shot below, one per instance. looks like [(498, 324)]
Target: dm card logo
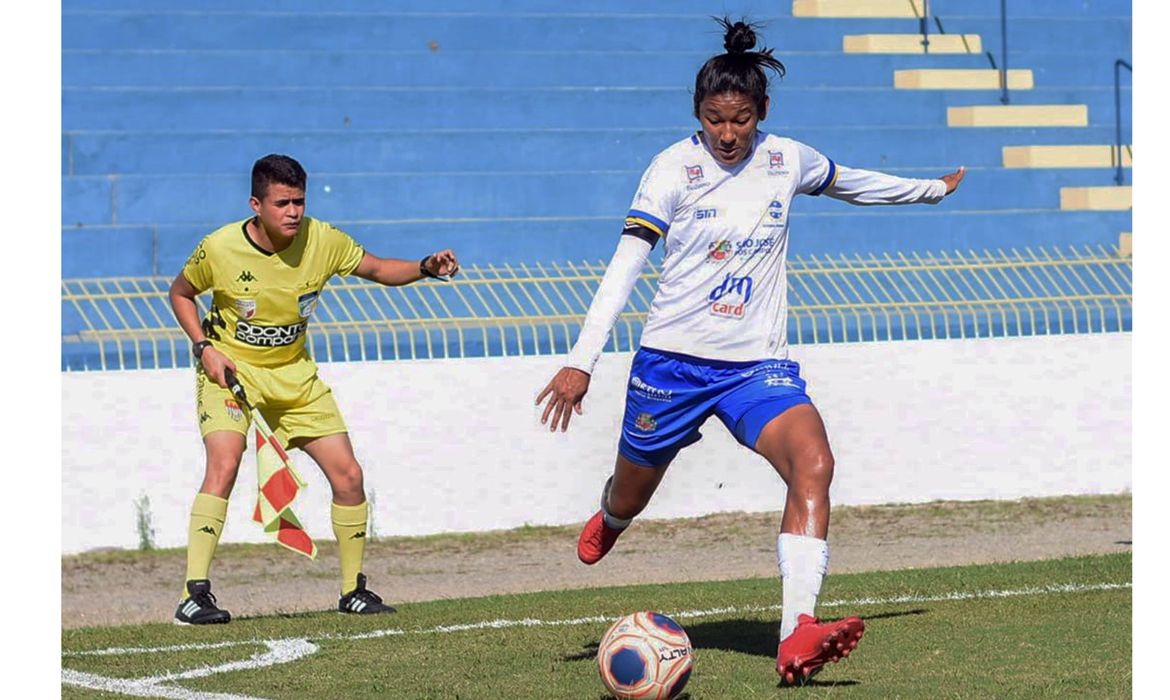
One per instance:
[(233, 410), (694, 172), (246, 308), (731, 297), (718, 251), (646, 423), (775, 159), (307, 303)]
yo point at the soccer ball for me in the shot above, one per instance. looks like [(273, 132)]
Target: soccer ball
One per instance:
[(645, 655)]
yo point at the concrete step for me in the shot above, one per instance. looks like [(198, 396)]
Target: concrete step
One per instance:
[(912, 44), (1018, 115), (1066, 156), (960, 79), (1096, 198)]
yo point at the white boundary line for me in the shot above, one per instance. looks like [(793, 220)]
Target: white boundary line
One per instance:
[(597, 619)]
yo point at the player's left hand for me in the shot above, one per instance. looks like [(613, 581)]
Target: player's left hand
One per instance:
[(954, 179), (443, 263)]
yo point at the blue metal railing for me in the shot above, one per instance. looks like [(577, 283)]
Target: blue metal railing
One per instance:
[(1003, 68), (924, 26), (1120, 177)]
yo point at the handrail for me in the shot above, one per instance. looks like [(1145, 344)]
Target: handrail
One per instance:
[(1119, 178), (924, 26), (1003, 69)]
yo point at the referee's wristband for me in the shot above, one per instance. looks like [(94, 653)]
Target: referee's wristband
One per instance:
[(422, 268)]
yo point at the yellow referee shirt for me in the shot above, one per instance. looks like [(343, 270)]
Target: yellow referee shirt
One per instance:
[(261, 302)]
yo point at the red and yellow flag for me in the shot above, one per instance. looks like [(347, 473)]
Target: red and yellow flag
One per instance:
[(279, 485)]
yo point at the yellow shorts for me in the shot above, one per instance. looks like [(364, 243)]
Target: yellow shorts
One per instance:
[(292, 399)]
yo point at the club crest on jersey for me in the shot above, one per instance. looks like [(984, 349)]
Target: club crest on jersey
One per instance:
[(645, 422), (233, 410), (776, 209), (694, 173), (718, 251), (775, 159), (731, 297), (246, 308), (307, 303)]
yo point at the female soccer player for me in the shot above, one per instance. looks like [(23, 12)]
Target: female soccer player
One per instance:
[(714, 341)]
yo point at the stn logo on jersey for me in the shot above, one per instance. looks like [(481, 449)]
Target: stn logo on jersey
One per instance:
[(307, 303), (731, 297), (694, 173), (246, 308)]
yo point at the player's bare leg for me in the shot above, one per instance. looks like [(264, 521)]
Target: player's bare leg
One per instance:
[(223, 449), (796, 445), (624, 496), (350, 516)]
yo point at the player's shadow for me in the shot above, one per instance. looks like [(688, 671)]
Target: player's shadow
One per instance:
[(744, 636)]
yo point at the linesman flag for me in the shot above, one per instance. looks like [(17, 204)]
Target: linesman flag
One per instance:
[(279, 482)]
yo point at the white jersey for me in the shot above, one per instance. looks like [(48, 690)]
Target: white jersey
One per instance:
[(722, 293)]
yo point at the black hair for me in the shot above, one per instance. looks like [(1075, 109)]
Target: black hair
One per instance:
[(740, 69), (278, 169)]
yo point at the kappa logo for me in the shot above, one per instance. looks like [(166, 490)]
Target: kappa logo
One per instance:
[(204, 417), (645, 422), (246, 276), (360, 534), (208, 529)]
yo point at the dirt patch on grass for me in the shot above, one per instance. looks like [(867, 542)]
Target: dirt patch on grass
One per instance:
[(264, 579)]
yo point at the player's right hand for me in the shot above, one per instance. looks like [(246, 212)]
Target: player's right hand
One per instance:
[(214, 363), (565, 392)]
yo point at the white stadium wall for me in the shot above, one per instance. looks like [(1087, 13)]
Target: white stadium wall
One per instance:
[(456, 445)]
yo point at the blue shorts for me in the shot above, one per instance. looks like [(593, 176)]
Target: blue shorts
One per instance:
[(670, 395)]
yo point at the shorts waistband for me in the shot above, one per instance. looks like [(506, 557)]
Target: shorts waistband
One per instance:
[(718, 364)]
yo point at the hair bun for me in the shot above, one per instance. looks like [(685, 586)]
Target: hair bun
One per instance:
[(739, 37)]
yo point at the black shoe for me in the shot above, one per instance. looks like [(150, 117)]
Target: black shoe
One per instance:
[(362, 601), (199, 608)]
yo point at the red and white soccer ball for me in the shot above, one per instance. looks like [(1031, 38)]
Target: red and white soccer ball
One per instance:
[(645, 655)]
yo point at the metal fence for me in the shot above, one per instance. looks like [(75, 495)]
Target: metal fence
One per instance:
[(536, 309)]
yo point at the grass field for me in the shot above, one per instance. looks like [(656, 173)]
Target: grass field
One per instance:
[(1058, 628)]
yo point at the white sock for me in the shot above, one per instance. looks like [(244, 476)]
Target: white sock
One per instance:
[(611, 521), (803, 563)]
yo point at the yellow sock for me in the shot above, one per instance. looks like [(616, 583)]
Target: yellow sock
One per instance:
[(207, 516), (349, 526)]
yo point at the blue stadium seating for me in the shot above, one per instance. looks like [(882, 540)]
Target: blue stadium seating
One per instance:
[(518, 134)]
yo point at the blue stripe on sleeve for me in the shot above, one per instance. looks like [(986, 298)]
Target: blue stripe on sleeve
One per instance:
[(637, 213), (829, 178)]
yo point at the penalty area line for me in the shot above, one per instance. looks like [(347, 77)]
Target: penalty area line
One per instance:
[(953, 596)]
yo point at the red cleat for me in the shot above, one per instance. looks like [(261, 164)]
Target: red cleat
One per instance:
[(813, 644), (596, 539)]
